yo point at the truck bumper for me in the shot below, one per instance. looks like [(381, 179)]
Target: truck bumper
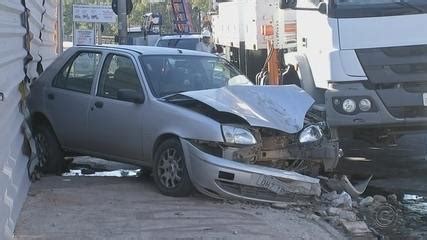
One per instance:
[(380, 117)]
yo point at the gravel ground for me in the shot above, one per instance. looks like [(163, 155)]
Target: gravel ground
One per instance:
[(131, 208)]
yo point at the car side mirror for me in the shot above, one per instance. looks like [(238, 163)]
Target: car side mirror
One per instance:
[(285, 4), (130, 96)]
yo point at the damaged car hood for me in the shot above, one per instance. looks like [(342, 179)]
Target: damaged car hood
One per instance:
[(277, 107)]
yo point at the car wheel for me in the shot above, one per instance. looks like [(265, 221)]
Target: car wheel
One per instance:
[(49, 150), (169, 172)]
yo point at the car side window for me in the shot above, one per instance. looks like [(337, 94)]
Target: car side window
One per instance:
[(78, 74), (118, 73)]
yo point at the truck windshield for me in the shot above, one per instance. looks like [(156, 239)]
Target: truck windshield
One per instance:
[(376, 8)]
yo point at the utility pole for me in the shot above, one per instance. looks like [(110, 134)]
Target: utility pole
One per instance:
[(60, 28), (98, 29), (123, 22)]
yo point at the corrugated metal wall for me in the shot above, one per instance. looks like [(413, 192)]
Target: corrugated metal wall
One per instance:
[(34, 55)]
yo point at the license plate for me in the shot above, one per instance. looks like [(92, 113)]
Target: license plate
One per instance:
[(425, 99), (271, 184)]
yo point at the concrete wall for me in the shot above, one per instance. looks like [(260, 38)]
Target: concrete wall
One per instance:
[(20, 41)]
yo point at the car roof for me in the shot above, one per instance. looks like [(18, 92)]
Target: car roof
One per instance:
[(148, 50), (184, 36)]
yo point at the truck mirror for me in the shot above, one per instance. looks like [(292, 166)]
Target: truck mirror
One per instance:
[(285, 4), (323, 8)]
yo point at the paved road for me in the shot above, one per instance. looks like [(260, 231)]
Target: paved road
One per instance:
[(130, 208), (401, 168)]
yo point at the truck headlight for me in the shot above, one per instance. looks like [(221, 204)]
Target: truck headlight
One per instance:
[(237, 135), (349, 105), (365, 105), (311, 133)]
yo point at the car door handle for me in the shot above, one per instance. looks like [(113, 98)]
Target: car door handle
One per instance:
[(50, 96), (99, 104)]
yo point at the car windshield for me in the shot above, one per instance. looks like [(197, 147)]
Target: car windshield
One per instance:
[(377, 8), (183, 43), (170, 74)]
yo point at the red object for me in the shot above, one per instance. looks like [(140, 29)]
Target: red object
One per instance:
[(182, 16), (267, 30)]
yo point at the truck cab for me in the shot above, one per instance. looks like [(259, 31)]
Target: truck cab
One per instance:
[(365, 62)]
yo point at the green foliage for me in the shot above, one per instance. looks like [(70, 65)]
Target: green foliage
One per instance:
[(203, 5)]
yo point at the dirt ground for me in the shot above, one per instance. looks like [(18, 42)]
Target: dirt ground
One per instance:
[(131, 208)]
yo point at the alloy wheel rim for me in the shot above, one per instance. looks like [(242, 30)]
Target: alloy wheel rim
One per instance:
[(170, 169)]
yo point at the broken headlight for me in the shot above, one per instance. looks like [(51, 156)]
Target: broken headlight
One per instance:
[(238, 135), (312, 133)]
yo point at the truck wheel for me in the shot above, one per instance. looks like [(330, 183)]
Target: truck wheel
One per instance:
[(49, 150), (169, 172)]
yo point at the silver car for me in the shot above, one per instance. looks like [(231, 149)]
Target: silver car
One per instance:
[(188, 116)]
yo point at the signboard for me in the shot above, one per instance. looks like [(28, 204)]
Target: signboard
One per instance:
[(84, 37), (93, 14)]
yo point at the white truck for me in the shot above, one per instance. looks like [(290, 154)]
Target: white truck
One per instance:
[(238, 25), (364, 62)]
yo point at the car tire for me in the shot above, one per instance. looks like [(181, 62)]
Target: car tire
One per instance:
[(170, 172), (49, 150)]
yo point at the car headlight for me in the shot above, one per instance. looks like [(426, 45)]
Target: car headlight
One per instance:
[(311, 133), (349, 105), (237, 135)]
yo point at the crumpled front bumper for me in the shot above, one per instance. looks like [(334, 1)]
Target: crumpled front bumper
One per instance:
[(218, 177)]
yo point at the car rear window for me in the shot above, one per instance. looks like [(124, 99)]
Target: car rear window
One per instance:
[(79, 73)]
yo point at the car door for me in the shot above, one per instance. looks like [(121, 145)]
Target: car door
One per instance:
[(115, 125), (68, 99)]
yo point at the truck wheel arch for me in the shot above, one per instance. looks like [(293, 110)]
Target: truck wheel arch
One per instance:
[(302, 66)]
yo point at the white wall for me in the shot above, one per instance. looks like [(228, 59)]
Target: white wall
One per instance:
[(14, 182)]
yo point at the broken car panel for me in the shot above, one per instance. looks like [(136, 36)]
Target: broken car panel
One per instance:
[(277, 107)]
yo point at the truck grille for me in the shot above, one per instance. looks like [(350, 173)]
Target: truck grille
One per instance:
[(398, 73)]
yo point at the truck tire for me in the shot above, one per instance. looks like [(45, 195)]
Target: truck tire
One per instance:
[(170, 172), (49, 150)]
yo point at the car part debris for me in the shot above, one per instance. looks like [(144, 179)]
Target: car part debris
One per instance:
[(343, 183)]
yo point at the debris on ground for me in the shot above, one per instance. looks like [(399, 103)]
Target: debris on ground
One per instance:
[(367, 201), (359, 217), (358, 229), (380, 199), (344, 200)]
